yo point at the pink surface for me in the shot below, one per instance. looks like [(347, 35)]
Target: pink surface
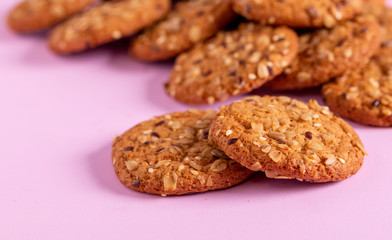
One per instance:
[(58, 117)]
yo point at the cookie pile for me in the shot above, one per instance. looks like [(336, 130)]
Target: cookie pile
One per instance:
[(197, 151), (225, 48)]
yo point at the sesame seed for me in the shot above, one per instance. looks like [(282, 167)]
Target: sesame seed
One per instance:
[(252, 76)]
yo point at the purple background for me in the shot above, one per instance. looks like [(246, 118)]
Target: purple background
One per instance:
[(58, 117)]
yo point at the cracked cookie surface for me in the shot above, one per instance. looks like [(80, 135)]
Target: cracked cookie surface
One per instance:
[(105, 23), (171, 155), (287, 138), (294, 13), (36, 15), (329, 53), (232, 63), (188, 23)]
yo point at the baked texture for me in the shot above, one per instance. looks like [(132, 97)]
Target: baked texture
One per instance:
[(110, 21), (35, 15), (287, 138), (364, 94), (302, 14), (374, 7), (384, 55), (329, 53), (380, 3), (188, 23), (171, 155), (232, 63)]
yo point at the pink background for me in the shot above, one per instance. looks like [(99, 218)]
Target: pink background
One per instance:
[(58, 117)]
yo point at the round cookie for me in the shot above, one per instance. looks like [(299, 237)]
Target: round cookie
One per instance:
[(232, 63), (301, 14), (35, 15), (288, 138), (328, 53), (188, 23), (364, 94), (108, 22), (171, 155)]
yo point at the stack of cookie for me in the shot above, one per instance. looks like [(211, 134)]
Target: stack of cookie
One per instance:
[(225, 48), (336, 42), (197, 151), (281, 45)]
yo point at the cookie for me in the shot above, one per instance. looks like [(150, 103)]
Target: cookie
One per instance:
[(108, 22), (34, 15), (301, 14), (328, 53), (190, 22), (288, 139), (232, 63), (171, 155), (364, 94)]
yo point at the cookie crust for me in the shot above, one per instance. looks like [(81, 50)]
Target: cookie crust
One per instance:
[(188, 23), (364, 94), (105, 23), (35, 15), (171, 155), (232, 63), (302, 14), (287, 138), (329, 53)]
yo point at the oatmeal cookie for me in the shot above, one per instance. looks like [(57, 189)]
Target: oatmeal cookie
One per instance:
[(190, 22), (110, 21), (232, 63), (302, 14), (329, 53), (171, 155), (288, 139), (364, 94), (34, 15)]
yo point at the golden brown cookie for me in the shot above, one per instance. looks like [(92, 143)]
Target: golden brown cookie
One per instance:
[(171, 155), (364, 94), (294, 13), (108, 22), (35, 15), (190, 22), (287, 138), (328, 53), (232, 63)]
